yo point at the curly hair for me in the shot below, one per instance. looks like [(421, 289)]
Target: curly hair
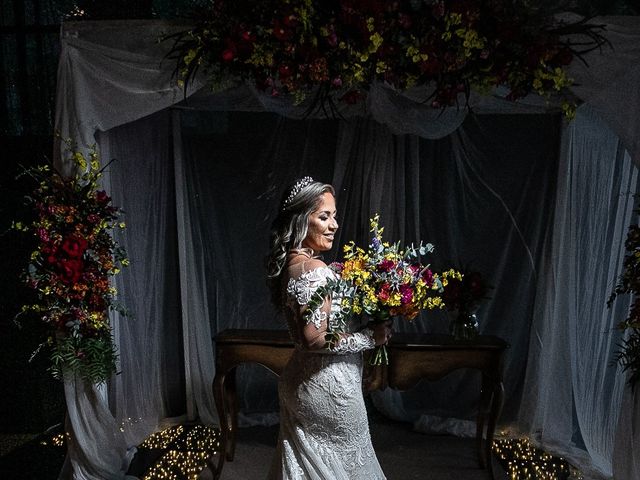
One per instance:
[(289, 229)]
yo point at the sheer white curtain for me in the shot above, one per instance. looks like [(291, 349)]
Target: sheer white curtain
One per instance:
[(151, 384), (573, 391), (484, 197)]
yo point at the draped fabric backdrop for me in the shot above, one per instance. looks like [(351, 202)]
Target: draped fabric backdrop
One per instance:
[(540, 209)]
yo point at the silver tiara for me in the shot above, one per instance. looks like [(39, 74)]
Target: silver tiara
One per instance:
[(296, 189)]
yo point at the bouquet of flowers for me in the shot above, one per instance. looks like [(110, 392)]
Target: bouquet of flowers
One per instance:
[(384, 281), (464, 294), (70, 267)]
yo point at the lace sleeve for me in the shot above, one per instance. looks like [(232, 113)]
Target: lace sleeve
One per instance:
[(301, 290), (299, 293)]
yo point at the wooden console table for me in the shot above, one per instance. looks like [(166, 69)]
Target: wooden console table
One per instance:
[(412, 357)]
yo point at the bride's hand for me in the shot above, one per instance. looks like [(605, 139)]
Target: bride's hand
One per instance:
[(381, 332)]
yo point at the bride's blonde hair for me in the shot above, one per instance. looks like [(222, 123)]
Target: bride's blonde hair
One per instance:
[(290, 228)]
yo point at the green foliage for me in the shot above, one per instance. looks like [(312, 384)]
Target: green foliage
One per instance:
[(629, 283), (92, 359)]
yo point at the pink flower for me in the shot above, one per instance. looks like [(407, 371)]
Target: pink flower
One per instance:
[(332, 40), (427, 277), (406, 293), (337, 267), (43, 234)]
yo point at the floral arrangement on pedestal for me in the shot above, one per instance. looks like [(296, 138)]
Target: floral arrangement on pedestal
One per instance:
[(335, 49), (462, 296), (383, 281), (629, 283), (70, 267)]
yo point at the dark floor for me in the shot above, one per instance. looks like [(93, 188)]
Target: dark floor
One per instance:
[(403, 454)]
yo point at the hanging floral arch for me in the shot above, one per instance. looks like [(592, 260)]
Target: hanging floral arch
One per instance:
[(324, 52)]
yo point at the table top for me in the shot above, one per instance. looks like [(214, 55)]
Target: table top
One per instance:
[(400, 340)]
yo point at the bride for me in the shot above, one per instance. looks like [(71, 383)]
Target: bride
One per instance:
[(324, 432)]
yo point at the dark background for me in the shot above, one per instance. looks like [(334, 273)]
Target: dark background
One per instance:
[(30, 401)]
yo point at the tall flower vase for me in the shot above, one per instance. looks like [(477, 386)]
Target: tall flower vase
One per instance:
[(463, 325)]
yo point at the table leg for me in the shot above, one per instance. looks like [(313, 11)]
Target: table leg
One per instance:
[(483, 409), (494, 414), (231, 403), (219, 398)]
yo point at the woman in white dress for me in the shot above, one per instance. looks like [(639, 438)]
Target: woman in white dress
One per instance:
[(324, 431)]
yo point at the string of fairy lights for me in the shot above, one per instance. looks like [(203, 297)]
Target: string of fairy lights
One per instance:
[(524, 461), (186, 449)]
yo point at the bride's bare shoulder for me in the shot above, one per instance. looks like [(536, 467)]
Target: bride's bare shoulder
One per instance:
[(298, 264)]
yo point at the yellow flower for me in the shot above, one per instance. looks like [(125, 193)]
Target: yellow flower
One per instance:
[(79, 159), (370, 24), (376, 41), (434, 302), (412, 51), (569, 110), (358, 72)]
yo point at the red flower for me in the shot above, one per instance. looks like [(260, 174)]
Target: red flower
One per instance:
[(285, 71), (452, 292), (386, 265), (475, 284), (74, 246), (228, 55), (281, 32), (383, 293), (290, 20), (102, 197), (247, 36), (70, 270)]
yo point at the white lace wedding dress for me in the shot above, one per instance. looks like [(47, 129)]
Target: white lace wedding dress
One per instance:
[(324, 431)]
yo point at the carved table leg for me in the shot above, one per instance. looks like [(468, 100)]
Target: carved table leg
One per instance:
[(483, 409), (218, 396), (231, 404), (496, 409)]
